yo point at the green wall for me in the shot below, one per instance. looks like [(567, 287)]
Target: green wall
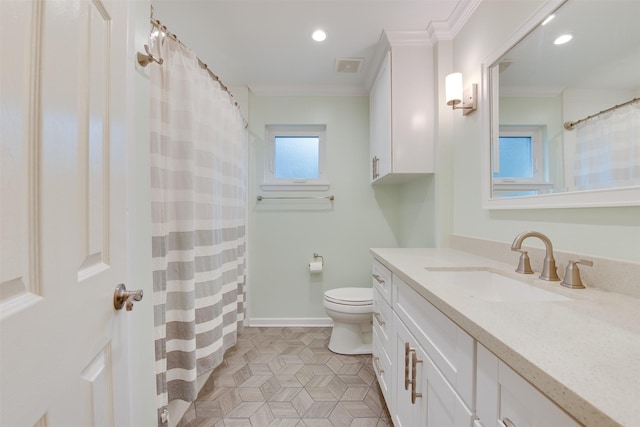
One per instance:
[(283, 235)]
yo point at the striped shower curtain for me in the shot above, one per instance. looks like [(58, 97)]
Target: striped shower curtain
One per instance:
[(198, 198)]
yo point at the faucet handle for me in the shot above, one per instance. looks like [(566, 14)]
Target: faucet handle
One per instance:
[(572, 274), (524, 264)]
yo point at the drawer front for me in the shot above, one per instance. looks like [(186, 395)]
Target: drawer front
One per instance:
[(451, 349), (382, 320), (382, 280), (382, 368)]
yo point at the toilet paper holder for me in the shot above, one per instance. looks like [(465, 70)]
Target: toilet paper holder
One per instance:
[(316, 256)]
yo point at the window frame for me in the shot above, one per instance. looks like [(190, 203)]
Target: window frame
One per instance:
[(271, 183)]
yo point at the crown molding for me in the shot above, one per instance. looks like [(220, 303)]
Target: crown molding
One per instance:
[(447, 30)]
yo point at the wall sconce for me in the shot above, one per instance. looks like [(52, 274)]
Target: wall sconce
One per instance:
[(455, 96)]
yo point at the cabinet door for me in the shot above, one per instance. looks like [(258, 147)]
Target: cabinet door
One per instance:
[(507, 399), (449, 347), (444, 405), (409, 379), (380, 121)]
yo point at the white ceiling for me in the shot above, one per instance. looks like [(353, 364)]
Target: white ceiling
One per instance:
[(267, 46)]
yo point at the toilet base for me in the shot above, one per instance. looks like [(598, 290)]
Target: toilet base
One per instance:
[(348, 338)]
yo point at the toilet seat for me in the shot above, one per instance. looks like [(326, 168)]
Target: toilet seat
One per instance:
[(350, 296)]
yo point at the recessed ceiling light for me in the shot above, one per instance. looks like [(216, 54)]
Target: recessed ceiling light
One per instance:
[(319, 35), (548, 19), (563, 39)]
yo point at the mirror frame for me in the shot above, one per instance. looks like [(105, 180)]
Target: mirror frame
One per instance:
[(624, 196)]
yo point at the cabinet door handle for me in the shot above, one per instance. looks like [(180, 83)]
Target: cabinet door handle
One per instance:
[(378, 319), (407, 364), (378, 279), (407, 351), (374, 166), (508, 423), (376, 366), (414, 362)]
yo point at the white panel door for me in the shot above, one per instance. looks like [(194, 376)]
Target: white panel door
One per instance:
[(63, 358)]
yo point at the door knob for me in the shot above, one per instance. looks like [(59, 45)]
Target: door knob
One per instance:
[(122, 297)]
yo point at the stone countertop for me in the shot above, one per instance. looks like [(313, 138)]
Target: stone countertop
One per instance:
[(583, 353)]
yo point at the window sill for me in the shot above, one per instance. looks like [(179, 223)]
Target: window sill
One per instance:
[(542, 186), (301, 186)]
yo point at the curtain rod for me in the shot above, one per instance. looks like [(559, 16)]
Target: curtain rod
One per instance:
[(572, 125), (146, 59)]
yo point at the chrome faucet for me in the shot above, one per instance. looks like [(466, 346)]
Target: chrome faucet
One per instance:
[(549, 269)]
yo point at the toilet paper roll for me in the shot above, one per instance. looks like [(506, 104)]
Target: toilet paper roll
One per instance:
[(315, 267)]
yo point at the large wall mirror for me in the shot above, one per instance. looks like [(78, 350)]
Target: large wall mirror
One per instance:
[(563, 128)]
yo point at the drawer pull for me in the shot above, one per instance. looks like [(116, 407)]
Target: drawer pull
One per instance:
[(378, 279), (378, 319), (376, 366), (508, 423), (414, 362)]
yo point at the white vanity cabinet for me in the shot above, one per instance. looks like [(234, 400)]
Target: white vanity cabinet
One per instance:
[(506, 399), (424, 362), (402, 108)]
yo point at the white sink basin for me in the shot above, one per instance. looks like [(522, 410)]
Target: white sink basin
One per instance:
[(490, 285)]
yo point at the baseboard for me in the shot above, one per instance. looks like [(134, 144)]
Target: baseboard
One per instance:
[(299, 322)]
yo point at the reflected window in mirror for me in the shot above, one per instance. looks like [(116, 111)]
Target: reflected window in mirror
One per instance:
[(520, 166)]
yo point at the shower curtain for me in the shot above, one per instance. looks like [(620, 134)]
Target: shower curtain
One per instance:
[(608, 150), (198, 198)]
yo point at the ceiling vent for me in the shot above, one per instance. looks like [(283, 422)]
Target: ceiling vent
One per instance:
[(349, 65)]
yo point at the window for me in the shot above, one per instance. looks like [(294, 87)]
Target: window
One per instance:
[(295, 158), (520, 154), (516, 157), (519, 166)]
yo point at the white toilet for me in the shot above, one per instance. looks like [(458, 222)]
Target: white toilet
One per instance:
[(351, 310)]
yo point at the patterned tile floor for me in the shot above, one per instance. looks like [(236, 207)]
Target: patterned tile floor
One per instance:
[(288, 377)]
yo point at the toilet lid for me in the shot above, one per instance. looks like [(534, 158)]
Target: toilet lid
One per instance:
[(350, 296)]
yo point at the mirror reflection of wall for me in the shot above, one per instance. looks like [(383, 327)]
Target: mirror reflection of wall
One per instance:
[(542, 85)]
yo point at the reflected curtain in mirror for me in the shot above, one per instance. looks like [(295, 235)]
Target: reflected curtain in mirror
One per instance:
[(607, 150)]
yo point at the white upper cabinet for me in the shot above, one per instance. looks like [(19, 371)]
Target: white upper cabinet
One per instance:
[(402, 109)]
